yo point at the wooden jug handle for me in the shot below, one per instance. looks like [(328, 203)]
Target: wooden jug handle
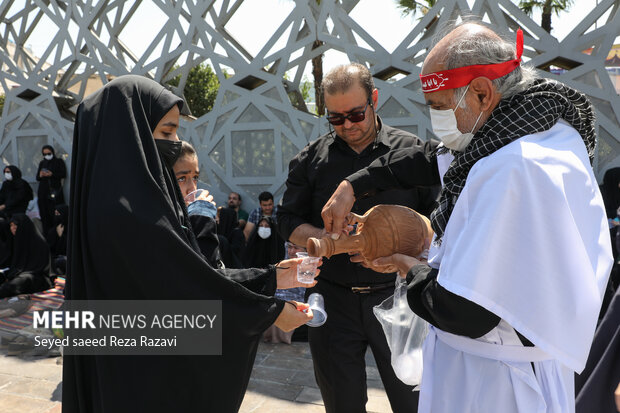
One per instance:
[(354, 218)]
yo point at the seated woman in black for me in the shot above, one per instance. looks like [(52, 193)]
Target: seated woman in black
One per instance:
[(57, 239), (232, 240), (130, 238), (15, 192), (29, 271), (264, 246)]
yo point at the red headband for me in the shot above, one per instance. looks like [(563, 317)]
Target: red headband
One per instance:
[(461, 76)]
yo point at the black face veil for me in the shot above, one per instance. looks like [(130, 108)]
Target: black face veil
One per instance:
[(129, 240)]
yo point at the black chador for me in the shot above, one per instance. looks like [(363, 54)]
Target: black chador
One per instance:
[(130, 239), (50, 193), (29, 271)]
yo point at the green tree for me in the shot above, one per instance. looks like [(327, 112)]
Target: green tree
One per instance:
[(408, 7), (305, 87), (200, 89), (547, 7), (1, 104), (317, 73)]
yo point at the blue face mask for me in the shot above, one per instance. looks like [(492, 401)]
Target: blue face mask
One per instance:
[(264, 232)]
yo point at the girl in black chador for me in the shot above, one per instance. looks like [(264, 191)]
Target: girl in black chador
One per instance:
[(130, 238), (15, 193), (51, 172), (29, 271)]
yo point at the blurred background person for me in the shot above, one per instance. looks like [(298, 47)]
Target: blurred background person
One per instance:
[(29, 271), (15, 192), (51, 172), (265, 246), (230, 236), (57, 240), (234, 202), (266, 209)]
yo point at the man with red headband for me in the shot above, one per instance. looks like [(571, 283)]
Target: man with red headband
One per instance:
[(520, 259)]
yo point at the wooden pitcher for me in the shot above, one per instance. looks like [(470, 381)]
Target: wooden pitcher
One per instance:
[(383, 230)]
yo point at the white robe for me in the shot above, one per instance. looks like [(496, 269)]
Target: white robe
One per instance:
[(528, 241)]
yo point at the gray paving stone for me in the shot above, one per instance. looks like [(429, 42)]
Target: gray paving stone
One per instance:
[(378, 405), (285, 362), (284, 406), (30, 368), (38, 389), (372, 373), (277, 375), (304, 378), (277, 390), (282, 381), (12, 403), (310, 395)]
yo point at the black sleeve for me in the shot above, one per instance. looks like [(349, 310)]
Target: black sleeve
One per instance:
[(296, 205), (39, 171), (259, 280), (3, 192), (428, 199), (206, 236), (405, 168), (444, 309), (59, 169)]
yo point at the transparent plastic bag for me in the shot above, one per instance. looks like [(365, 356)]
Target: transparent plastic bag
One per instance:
[(405, 333)]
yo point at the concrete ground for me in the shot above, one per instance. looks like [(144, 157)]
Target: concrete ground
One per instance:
[(282, 381)]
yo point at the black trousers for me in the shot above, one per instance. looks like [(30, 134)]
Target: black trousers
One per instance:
[(339, 346)]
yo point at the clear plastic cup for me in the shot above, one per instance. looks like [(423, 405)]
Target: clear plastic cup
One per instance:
[(192, 196), (306, 269), (317, 305)]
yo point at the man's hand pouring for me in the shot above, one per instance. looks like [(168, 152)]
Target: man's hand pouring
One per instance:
[(336, 212)]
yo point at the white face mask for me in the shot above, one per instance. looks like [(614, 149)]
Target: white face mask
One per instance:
[(8, 176), (445, 127), (264, 232), (49, 157)]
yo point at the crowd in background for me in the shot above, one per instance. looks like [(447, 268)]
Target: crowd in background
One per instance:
[(33, 240)]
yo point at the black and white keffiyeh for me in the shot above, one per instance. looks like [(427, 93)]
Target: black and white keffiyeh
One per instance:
[(534, 110)]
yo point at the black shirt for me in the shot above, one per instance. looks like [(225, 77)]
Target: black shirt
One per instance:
[(314, 174)]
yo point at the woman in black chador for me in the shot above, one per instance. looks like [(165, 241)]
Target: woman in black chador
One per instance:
[(232, 240), (130, 239), (57, 239), (50, 174), (265, 246), (15, 192), (29, 271)]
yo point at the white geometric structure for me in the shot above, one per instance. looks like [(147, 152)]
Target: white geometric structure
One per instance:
[(246, 141)]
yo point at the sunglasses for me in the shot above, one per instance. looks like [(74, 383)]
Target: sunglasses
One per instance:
[(353, 117)]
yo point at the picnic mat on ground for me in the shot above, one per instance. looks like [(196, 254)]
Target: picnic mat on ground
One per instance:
[(50, 299)]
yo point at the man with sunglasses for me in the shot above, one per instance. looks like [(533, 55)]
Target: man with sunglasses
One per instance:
[(357, 137)]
